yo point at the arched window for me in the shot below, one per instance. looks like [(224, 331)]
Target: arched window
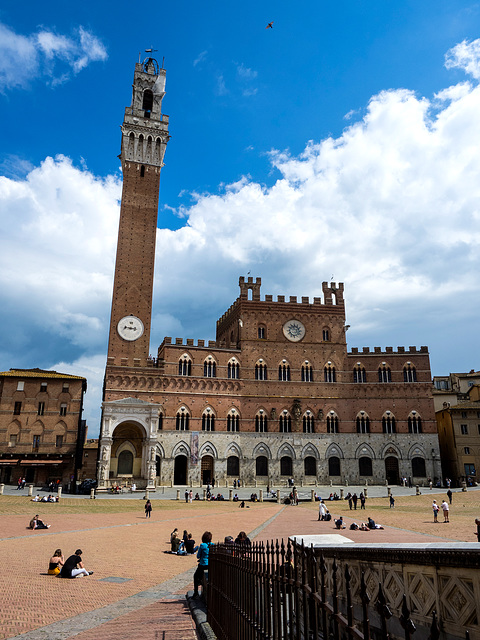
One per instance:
[(388, 423), (210, 368), (286, 466), (365, 466), (329, 373), (332, 423), (307, 372), (147, 105), (262, 332), (233, 421), (261, 466), (284, 371), (326, 335), (409, 373), (418, 468), (363, 423), (125, 463), (359, 373), (208, 420), (260, 370), (185, 366), (233, 369), (233, 466), (183, 419), (160, 422), (285, 422), (308, 422), (261, 422), (384, 374), (310, 466), (334, 466), (414, 423)]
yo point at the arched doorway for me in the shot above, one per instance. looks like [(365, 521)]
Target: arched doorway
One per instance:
[(180, 470), (157, 466), (286, 466), (126, 452), (125, 463), (207, 469), (391, 470), (310, 466)]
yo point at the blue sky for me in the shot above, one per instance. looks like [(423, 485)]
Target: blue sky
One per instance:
[(343, 142)]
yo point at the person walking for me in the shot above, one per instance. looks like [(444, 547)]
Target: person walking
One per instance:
[(362, 500), (392, 502), (450, 495), (148, 509), (446, 510), (436, 509), (355, 500), (202, 556)]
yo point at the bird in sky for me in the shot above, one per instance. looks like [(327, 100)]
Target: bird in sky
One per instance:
[(269, 25)]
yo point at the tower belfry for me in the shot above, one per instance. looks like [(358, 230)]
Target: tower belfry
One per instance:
[(144, 140)]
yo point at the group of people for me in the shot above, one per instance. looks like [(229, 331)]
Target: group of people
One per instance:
[(353, 500), (444, 507), (48, 498), (182, 546), (363, 526), (70, 568), (21, 482)]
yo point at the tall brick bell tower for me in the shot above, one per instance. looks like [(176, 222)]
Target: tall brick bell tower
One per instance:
[(144, 140)]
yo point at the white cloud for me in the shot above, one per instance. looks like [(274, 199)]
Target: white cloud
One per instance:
[(391, 207), (200, 58), (466, 56), (45, 54)]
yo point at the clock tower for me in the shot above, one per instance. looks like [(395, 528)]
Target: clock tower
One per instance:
[(144, 140)]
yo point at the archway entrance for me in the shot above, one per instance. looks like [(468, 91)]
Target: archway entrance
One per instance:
[(180, 470), (207, 470), (126, 452), (157, 466), (391, 470), (125, 463)]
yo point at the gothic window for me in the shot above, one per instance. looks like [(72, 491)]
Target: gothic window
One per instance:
[(307, 372), (310, 466), (363, 423), (414, 423), (308, 422), (384, 374), (63, 409), (365, 466), (233, 421), (41, 408), (43, 387), (326, 335), (185, 366), (334, 466), (418, 468), (286, 466), (233, 466), (58, 442), (332, 423), (388, 423), (210, 368), (17, 410), (182, 421), (233, 370), (260, 371), (262, 332), (36, 442), (160, 422), (13, 441), (359, 374), (284, 372), (261, 466), (409, 373), (147, 105), (208, 420), (261, 422), (329, 373), (285, 423)]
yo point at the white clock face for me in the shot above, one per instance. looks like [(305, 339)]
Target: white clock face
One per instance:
[(130, 328), (293, 330)]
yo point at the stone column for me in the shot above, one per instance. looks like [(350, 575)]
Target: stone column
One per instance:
[(260, 495), (2, 487), (30, 490), (312, 495), (59, 492), (230, 495)]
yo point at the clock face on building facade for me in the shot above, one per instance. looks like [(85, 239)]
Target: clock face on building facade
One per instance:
[(293, 330), (130, 328)]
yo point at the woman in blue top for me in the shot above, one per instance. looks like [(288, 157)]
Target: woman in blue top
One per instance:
[(202, 555)]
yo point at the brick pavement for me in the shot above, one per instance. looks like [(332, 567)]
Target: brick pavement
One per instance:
[(125, 545)]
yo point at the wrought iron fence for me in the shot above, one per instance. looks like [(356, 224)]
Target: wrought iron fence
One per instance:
[(279, 591)]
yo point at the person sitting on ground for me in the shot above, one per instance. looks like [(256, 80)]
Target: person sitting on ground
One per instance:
[(354, 526), (73, 566), (372, 525), (173, 534), (242, 504), (197, 497), (235, 498), (339, 523), (37, 523), (44, 499), (364, 527), (175, 544), (51, 498), (56, 563), (190, 544), (243, 540), (36, 499)]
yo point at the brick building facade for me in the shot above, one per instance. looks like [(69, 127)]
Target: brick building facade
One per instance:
[(41, 426), (275, 395)]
